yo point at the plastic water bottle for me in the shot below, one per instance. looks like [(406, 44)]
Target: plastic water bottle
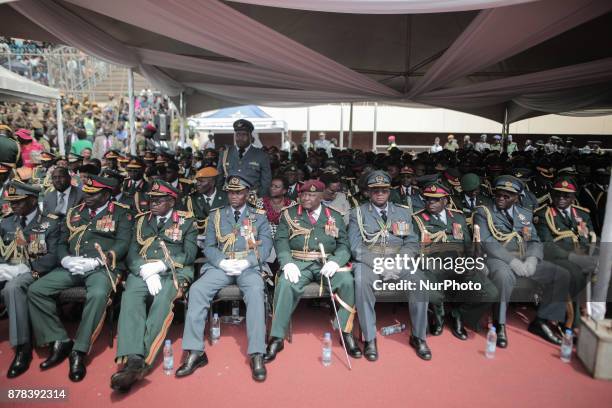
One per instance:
[(566, 346), (396, 328), (168, 358), (491, 342), (235, 312), (215, 329), (326, 356)]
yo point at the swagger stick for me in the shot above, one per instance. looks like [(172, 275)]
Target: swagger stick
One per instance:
[(162, 244), (104, 261), (331, 294)]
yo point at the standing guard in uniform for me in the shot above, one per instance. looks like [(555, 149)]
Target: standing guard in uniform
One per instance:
[(94, 239), (28, 249), (381, 229), (513, 250), (238, 241), (160, 260), (301, 229)]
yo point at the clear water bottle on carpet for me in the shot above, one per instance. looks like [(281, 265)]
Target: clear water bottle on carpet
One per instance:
[(326, 356), (396, 328), (491, 342), (215, 329), (566, 346), (168, 358)]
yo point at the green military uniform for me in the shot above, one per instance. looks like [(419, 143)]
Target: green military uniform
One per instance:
[(467, 203), (201, 208), (108, 226), (142, 333)]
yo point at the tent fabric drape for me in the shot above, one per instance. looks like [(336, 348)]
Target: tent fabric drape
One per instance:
[(14, 87)]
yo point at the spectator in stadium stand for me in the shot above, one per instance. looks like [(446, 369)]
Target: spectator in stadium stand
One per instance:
[(467, 143), (451, 143), (81, 143), (436, 146)]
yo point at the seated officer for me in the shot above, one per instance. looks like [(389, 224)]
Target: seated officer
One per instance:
[(513, 249), (444, 235), (94, 239), (29, 248), (238, 241), (206, 197), (567, 233), (301, 229), (470, 197), (380, 229), (157, 274)]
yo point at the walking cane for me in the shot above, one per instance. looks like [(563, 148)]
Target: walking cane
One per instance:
[(331, 293), (103, 259)]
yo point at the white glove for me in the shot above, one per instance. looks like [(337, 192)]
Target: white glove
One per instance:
[(228, 265), (12, 271), (153, 284), (85, 265), (242, 264), (585, 262), (4, 276), (69, 262), (518, 267), (329, 269), (598, 310), (152, 268), (531, 264), (292, 272)]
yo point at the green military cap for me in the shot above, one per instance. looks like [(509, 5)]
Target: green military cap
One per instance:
[(18, 190), (379, 178), (9, 151), (162, 188), (470, 182), (96, 184), (508, 183), (236, 183), (243, 124)]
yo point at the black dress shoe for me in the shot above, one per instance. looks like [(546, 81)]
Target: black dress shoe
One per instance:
[(258, 369), (421, 347), (370, 350), (540, 328), (132, 372), (457, 328), (77, 366), (351, 345), (436, 324), (21, 362), (275, 346), (194, 360), (502, 337), (59, 352)]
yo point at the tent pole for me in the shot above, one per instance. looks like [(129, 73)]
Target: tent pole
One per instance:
[(350, 141), (182, 120), (341, 127), (504, 135), (60, 126), (604, 272), (375, 133), (131, 112), (308, 126)]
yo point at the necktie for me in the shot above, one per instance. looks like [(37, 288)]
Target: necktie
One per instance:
[(473, 202), (383, 215), (92, 214), (23, 222), (241, 152), (236, 215), (60, 203), (207, 199), (161, 222), (312, 219), (509, 217)]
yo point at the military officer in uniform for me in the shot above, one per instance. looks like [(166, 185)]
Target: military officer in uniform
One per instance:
[(244, 159), (527, 199), (206, 196), (29, 250), (94, 239), (162, 273), (135, 187), (293, 185), (379, 229), (444, 235), (301, 229), (513, 249), (238, 241), (470, 197)]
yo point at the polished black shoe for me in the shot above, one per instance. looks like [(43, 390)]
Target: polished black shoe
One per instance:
[(370, 351), (502, 337), (21, 362), (540, 328), (59, 351), (457, 328), (194, 360), (436, 324), (77, 366), (351, 345), (132, 372), (421, 347), (275, 346), (258, 369)]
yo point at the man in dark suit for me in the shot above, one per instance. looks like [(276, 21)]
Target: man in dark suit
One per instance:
[(63, 196), (246, 160)]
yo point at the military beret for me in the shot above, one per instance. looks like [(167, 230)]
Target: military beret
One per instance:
[(161, 188), (508, 183), (243, 124), (206, 172), (312, 186), (18, 190), (150, 127), (379, 178), (565, 184), (435, 190), (236, 183), (96, 184), (470, 182), (24, 134)]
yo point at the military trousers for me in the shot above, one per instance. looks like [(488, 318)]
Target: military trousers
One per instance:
[(15, 298)]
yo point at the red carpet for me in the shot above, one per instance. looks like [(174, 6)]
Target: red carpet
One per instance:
[(527, 374)]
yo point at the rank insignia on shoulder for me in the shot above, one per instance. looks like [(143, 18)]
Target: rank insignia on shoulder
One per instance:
[(185, 214), (52, 216)]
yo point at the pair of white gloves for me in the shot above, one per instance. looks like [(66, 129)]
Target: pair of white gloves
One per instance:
[(149, 272), (8, 272), (526, 268), (79, 265), (292, 272), (233, 267)]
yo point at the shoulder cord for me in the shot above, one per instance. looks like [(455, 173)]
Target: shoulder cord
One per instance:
[(439, 236), (227, 240), (500, 236), (368, 238), (144, 243), (74, 231), (295, 229)]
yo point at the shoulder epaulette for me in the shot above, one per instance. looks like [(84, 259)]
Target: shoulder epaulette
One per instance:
[(540, 208), (418, 212), (185, 214), (52, 216), (455, 210), (186, 181), (142, 213), (121, 205), (293, 204), (581, 208), (404, 206)]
